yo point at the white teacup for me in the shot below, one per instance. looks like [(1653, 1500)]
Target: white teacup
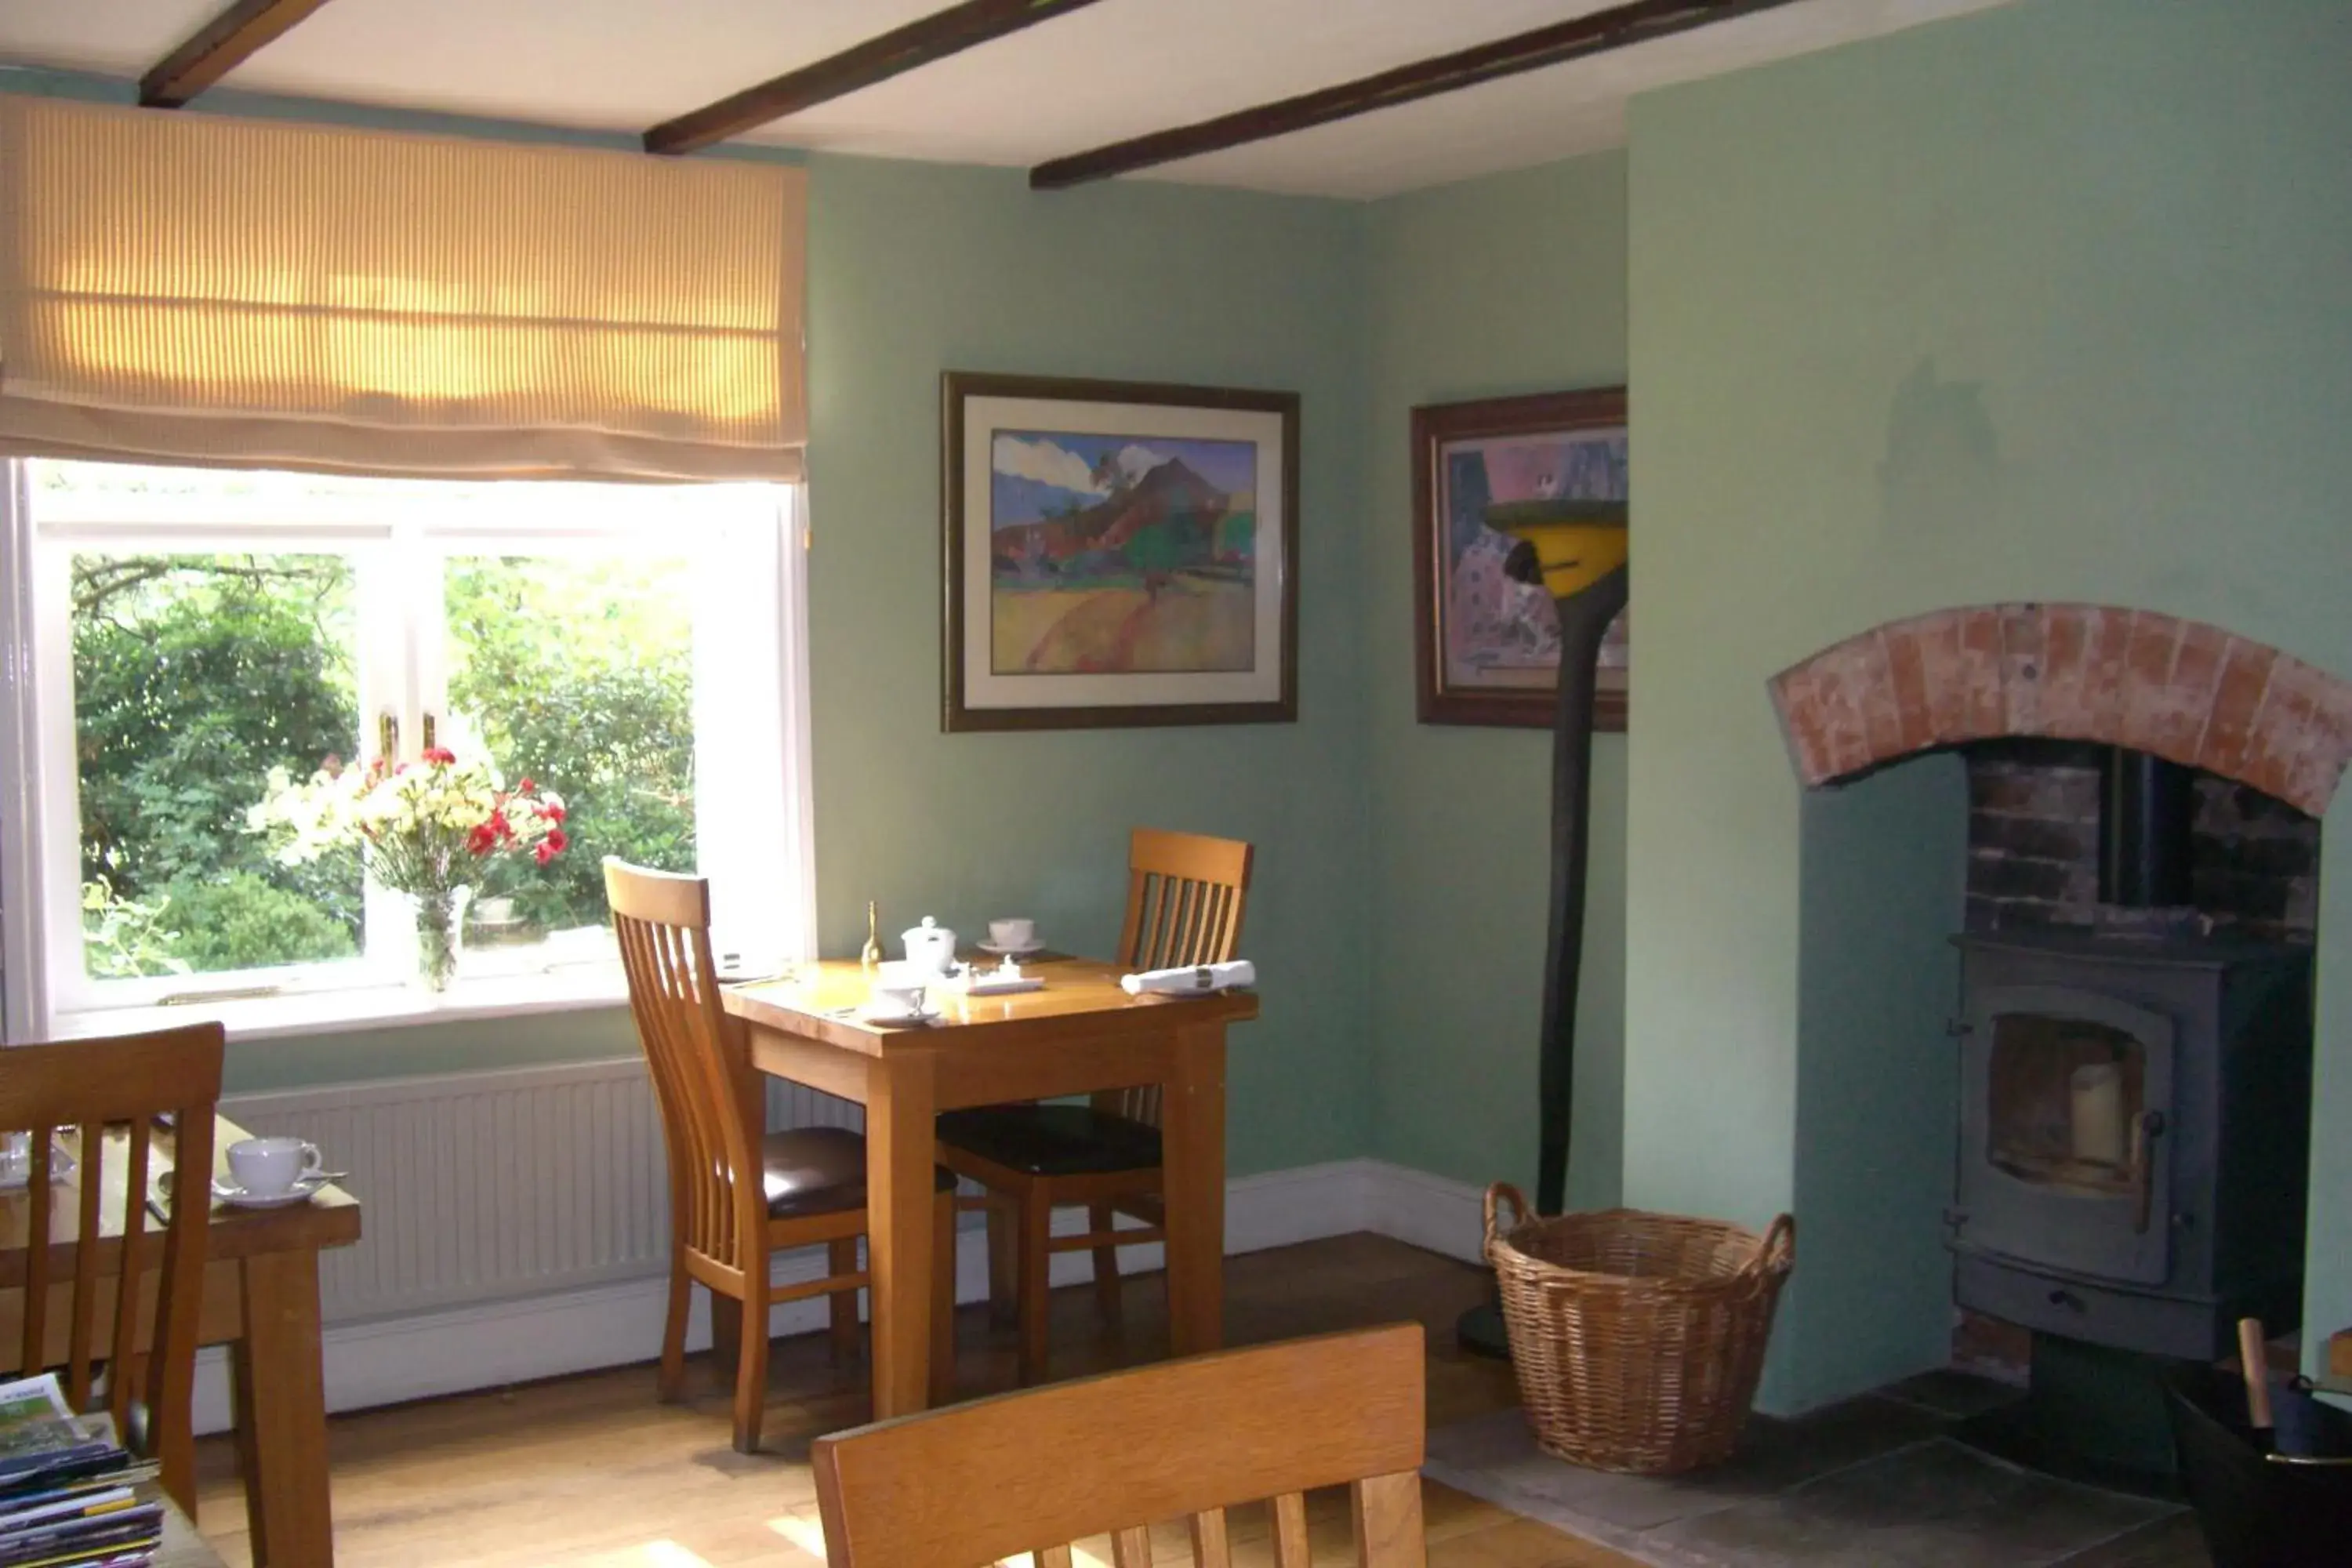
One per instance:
[(267, 1167), (1014, 933)]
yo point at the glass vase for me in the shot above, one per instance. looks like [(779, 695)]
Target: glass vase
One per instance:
[(440, 934)]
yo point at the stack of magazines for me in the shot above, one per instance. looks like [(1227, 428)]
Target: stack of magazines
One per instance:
[(70, 1497)]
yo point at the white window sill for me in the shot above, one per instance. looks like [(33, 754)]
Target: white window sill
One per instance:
[(386, 1007)]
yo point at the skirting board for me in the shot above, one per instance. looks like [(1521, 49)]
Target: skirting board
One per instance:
[(392, 1360)]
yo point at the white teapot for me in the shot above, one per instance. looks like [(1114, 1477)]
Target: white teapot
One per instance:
[(930, 947)]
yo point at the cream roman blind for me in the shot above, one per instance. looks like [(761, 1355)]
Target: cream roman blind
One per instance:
[(195, 288)]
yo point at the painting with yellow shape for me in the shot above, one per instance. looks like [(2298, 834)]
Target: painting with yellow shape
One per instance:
[(1525, 520)]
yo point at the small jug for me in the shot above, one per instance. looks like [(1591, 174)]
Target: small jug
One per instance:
[(931, 946)]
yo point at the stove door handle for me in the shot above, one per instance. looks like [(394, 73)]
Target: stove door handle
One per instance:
[(2145, 1130)]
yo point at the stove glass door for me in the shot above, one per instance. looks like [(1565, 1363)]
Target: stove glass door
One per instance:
[(2064, 1161)]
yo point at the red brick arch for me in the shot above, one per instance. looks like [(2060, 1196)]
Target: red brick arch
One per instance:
[(2183, 689)]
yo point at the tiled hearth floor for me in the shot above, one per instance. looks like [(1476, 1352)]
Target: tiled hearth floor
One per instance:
[(1875, 1482)]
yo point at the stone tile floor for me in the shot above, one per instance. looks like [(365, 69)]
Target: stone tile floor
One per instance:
[(1874, 1482)]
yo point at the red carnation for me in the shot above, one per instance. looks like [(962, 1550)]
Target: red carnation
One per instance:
[(440, 754), (555, 841), (543, 854), (526, 787), (482, 840), (552, 813)]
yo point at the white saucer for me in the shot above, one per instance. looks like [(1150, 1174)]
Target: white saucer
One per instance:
[(1011, 952), (929, 1016), (229, 1192)]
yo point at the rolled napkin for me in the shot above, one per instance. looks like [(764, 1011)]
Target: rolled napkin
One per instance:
[(1197, 978)]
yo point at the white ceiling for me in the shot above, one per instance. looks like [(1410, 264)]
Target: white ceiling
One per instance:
[(1114, 70)]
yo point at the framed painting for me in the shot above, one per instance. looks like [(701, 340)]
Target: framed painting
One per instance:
[(1517, 501), (1118, 554)]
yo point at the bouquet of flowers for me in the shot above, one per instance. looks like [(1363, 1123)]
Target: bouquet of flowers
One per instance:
[(428, 829)]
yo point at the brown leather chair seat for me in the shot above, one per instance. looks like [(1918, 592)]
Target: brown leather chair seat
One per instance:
[(821, 1169), (1053, 1140)]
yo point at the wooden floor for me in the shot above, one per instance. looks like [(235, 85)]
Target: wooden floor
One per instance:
[(591, 1471)]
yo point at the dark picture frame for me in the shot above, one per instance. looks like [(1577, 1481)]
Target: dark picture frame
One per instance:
[(1553, 464), (1108, 556)]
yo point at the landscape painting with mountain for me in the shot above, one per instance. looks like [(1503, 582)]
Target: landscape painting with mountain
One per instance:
[(1121, 554)]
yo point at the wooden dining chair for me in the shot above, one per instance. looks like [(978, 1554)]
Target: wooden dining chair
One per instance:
[(738, 1195), (77, 1254), (1185, 897), (1037, 1471)]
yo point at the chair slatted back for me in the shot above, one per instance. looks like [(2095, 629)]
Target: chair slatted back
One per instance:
[(663, 921), (1185, 896), (96, 1229), (1184, 1440)]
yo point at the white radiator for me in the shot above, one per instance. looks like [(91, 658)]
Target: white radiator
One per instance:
[(483, 1186)]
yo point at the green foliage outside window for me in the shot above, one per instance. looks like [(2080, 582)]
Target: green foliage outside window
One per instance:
[(195, 675), (192, 676), (579, 675)]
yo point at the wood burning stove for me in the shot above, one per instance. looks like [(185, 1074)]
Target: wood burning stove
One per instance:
[(2135, 1094), (2134, 1127), (2134, 1105)]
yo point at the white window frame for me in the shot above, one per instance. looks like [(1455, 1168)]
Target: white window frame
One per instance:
[(751, 740)]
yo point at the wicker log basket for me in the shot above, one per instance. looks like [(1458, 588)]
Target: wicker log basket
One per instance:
[(1637, 1338)]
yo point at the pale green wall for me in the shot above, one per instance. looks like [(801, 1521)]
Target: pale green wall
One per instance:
[(1509, 284), (1881, 882), (914, 269), (2049, 302)]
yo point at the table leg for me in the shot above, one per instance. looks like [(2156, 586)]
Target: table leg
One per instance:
[(900, 1139), (282, 1417), (1192, 1142)]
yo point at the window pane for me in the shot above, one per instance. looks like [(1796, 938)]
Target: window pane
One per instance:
[(577, 672), (193, 676)]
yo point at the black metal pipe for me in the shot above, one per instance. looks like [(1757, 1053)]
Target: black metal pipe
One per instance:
[(1584, 620), (2148, 805)]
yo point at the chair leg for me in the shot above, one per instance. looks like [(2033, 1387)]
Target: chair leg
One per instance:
[(726, 1336), (840, 1258), (1003, 1260), (751, 1366), (672, 1376), (1035, 1294), (943, 1303), (1101, 1217)]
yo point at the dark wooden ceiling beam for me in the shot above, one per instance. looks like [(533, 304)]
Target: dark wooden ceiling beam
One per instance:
[(1620, 27), (218, 48), (919, 43)]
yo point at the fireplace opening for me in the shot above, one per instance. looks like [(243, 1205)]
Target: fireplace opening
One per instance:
[(2133, 1030), (2134, 1075)]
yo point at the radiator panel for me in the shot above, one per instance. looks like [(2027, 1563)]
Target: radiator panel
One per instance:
[(483, 1186)]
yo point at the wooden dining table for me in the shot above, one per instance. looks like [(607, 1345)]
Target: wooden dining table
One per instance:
[(1079, 1033), (261, 1300)]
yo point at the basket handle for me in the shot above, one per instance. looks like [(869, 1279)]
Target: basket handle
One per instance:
[(1496, 1196), (1777, 1249)]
